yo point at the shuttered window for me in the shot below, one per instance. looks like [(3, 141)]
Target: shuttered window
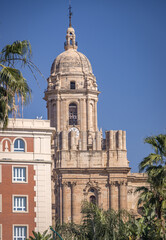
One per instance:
[(19, 174), (20, 204), (20, 232)]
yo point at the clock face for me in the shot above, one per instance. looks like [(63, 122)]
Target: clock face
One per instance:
[(75, 130)]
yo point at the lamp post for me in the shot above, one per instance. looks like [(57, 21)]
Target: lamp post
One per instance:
[(54, 232)]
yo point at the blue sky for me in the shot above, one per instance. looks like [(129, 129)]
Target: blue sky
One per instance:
[(125, 41)]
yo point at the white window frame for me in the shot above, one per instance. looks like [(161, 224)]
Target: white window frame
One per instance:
[(26, 173), (20, 204), (19, 149), (21, 226)]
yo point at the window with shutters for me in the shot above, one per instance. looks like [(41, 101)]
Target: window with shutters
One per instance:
[(20, 204), (20, 174), (20, 233)]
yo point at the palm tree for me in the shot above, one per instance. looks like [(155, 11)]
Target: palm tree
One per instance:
[(154, 196), (40, 236), (104, 225), (13, 86), (155, 166)]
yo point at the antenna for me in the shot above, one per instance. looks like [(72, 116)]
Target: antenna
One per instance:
[(70, 13)]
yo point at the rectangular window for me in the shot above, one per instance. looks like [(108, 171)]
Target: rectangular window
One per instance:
[(20, 232), (19, 204), (72, 85), (19, 174)]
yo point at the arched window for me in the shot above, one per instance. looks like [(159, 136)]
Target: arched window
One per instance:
[(72, 114), (72, 85), (93, 199), (19, 145)]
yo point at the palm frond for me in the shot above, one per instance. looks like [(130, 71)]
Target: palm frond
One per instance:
[(18, 50)]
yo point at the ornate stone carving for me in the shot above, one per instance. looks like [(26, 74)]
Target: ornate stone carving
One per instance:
[(130, 191), (91, 184), (114, 183), (123, 182)]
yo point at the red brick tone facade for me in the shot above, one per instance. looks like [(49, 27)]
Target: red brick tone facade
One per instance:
[(8, 188), (28, 140), (7, 142)]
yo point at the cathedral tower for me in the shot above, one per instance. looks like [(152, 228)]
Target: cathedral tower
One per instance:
[(72, 90), (86, 166)]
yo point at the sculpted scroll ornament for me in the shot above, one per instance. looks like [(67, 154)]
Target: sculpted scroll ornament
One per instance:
[(123, 182), (68, 184), (130, 191), (91, 184)]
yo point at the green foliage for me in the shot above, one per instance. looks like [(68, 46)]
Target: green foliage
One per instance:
[(13, 86), (153, 198), (98, 224), (146, 227), (39, 236)]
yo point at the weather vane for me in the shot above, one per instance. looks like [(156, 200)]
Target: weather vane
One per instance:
[(70, 13)]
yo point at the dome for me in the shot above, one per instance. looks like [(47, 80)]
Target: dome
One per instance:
[(71, 61)]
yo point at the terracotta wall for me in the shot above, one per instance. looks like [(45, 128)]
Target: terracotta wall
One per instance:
[(7, 189), (29, 141)]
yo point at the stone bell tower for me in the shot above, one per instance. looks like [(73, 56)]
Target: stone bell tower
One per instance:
[(72, 90), (86, 166)]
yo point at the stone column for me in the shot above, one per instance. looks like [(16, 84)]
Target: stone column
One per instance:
[(64, 114), (99, 199), (64, 140), (88, 115), (54, 118), (123, 194), (66, 203), (58, 115), (95, 115), (60, 203), (114, 195), (83, 115), (61, 114), (49, 110), (74, 206)]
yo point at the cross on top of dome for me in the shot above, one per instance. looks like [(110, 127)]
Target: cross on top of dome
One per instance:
[(70, 42), (70, 14)]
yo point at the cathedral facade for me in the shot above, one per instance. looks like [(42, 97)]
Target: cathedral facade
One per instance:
[(85, 165)]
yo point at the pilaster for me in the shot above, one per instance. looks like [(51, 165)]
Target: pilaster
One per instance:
[(114, 198), (58, 115), (123, 194), (66, 202), (95, 115)]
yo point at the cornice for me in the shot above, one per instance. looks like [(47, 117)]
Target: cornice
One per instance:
[(139, 177), (69, 91), (93, 170), (4, 161)]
